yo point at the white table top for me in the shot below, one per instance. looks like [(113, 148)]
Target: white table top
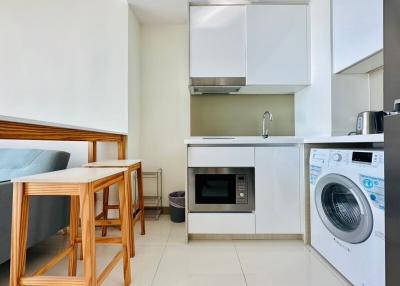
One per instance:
[(112, 163), (61, 125), (73, 175)]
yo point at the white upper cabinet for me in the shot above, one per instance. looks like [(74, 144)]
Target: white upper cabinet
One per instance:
[(217, 41), (277, 45), (357, 35)]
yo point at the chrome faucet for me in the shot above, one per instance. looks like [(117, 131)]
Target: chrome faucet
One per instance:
[(264, 125)]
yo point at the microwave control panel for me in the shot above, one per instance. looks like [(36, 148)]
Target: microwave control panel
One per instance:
[(241, 189)]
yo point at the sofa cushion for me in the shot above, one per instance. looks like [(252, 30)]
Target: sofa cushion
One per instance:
[(47, 214), (24, 162)]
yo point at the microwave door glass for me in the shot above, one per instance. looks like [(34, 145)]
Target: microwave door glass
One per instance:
[(215, 189)]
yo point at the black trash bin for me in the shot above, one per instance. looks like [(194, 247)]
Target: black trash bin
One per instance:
[(177, 206)]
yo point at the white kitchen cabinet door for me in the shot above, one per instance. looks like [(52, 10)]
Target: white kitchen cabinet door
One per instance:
[(221, 156), (277, 183), (277, 45), (221, 223), (217, 41), (357, 31)]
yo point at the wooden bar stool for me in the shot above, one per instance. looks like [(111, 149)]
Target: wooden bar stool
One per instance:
[(136, 212), (80, 184)]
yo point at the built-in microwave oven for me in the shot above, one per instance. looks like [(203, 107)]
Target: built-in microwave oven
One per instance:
[(221, 189)]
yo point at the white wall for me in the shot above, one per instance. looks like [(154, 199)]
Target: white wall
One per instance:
[(331, 104), (165, 102), (56, 57), (71, 53), (376, 89), (350, 96), (313, 104), (134, 86), (65, 62)]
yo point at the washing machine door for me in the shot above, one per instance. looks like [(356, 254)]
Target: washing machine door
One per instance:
[(343, 208)]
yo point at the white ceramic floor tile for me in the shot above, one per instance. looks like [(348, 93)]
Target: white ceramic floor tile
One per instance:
[(143, 267), (201, 280), (157, 232), (200, 263), (164, 258), (177, 234), (283, 264), (145, 264)]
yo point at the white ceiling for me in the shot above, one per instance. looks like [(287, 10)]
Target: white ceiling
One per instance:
[(176, 11)]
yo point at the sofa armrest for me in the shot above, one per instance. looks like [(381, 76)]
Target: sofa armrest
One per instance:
[(47, 215), (6, 194)]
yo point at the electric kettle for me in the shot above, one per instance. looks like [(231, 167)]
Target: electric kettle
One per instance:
[(370, 122)]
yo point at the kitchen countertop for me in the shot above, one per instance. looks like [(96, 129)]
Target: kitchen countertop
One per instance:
[(240, 140), (371, 138), (258, 140)]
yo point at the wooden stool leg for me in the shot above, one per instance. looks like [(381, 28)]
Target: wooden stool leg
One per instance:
[(81, 252), (19, 234), (128, 197), (73, 234), (106, 196), (88, 234), (141, 200), (125, 226)]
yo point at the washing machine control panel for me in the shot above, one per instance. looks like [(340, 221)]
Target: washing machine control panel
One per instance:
[(360, 158), (367, 158), (337, 157), (368, 162)]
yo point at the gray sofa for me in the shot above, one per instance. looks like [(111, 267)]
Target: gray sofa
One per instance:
[(47, 215)]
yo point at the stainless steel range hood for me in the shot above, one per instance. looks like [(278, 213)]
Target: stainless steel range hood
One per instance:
[(216, 85)]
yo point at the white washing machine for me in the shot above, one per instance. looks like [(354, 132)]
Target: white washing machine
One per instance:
[(347, 212)]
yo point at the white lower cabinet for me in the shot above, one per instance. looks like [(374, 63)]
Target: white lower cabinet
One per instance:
[(221, 223), (277, 190)]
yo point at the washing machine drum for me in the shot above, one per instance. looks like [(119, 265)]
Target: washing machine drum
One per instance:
[(343, 208)]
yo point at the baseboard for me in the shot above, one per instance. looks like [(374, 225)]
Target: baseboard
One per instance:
[(164, 210), (245, 236)]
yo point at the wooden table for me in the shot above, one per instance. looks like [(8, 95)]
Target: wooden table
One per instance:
[(80, 184), (136, 212)]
